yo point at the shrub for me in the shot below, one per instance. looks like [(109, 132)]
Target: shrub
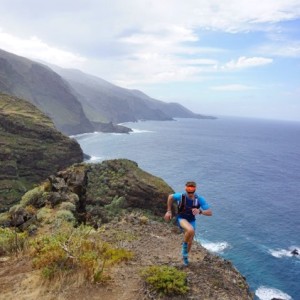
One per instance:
[(32, 196), (31, 210), (12, 241), (45, 215), (5, 219), (65, 215), (166, 280), (74, 251), (115, 207), (67, 206), (46, 185)]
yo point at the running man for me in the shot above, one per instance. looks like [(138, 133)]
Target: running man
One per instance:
[(189, 204)]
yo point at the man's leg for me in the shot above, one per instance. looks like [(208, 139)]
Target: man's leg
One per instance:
[(189, 233), (190, 242)]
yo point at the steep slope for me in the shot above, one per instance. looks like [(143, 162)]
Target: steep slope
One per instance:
[(30, 148), (45, 89), (105, 102), (173, 109), (101, 99)]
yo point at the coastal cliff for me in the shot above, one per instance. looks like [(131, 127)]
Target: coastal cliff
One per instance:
[(123, 206), (30, 149), (79, 103)]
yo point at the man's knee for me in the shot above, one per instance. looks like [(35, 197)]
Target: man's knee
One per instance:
[(190, 231)]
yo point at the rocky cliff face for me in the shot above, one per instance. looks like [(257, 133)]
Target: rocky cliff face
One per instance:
[(100, 190), (30, 148)]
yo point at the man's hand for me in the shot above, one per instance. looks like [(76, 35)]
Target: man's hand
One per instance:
[(196, 211), (168, 216)]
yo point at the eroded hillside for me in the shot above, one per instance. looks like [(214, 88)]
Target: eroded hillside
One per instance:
[(30, 149)]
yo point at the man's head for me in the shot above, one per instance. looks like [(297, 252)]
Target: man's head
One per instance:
[(190, 187)]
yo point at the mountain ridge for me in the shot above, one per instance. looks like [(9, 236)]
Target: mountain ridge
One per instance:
[(99, 89), (78, 102)]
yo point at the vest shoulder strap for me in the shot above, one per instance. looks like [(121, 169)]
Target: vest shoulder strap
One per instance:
[(182, 203)]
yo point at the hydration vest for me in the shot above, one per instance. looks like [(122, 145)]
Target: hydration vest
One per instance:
[(182, 203)]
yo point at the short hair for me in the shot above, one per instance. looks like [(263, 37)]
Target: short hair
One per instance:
[(191, 183)]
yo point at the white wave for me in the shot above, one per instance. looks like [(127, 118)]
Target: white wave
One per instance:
[(279, 253), (95, 159), (267, 293), (134, 130), (217, 247), (83, 135)]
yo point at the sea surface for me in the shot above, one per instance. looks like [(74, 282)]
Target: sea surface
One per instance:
[(248, 170)]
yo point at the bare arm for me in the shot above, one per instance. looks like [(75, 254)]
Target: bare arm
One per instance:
[(168, 214), (207, 212)]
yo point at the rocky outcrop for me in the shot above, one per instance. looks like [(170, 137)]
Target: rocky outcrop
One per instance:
[(110, 127), (98, 191), (30, 149)]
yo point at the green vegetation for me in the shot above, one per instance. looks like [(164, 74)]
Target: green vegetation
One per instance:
[(32, 196), (12, 241), (76, 251), (31, 149), (166, 280), (115, 207), (65, 215)]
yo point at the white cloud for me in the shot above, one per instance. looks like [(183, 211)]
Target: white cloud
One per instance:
[(144, 41), (283, 49), (36, 49), (247, 62), (232, 87), (164, 36)]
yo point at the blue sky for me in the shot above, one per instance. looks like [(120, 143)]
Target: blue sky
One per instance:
[(232, 58)]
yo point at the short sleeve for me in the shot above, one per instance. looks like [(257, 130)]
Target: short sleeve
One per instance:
[(203, 204), (177, 197)]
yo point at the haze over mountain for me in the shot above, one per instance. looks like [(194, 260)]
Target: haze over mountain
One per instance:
[(45, 89), (106, 102), (78, 102)]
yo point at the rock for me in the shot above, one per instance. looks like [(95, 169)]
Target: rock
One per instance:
[(19, 215), (110, 127), (295, 252), (123, 178)]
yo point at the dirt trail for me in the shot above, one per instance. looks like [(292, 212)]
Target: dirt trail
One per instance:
[(155, 244)]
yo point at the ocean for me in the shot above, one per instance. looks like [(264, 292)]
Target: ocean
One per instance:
[(248, 170)]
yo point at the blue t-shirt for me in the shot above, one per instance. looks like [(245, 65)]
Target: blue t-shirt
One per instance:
[(199, 202)]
